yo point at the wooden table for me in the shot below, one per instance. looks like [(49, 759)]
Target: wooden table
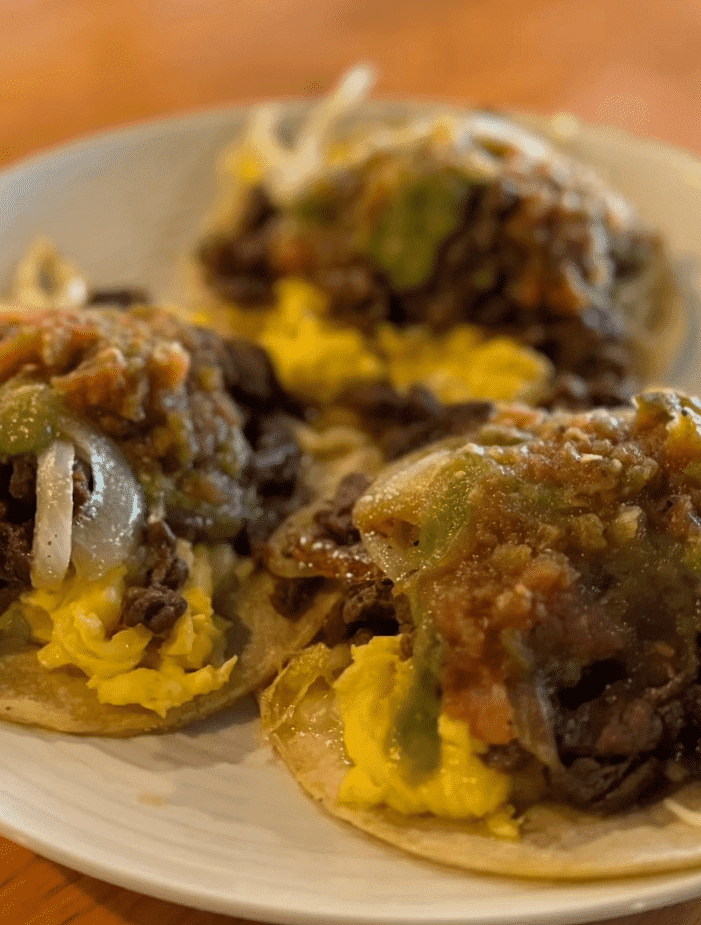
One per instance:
[(69, 67)]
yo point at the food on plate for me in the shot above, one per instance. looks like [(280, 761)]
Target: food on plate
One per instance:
[(455, 250), (142, 461), (511, 681)]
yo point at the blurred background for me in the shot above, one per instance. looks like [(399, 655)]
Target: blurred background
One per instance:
[(70, 67)]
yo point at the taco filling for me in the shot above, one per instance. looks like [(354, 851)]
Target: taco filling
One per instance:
[(520, 631), (142, 461), (428, 249)]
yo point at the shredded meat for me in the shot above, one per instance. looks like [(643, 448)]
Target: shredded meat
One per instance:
[(331, 546), (606, 787), (239, 268)]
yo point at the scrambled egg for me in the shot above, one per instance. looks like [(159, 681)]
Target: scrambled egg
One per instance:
[(462, 365), (369, 694), (317, 359), (77, 620)]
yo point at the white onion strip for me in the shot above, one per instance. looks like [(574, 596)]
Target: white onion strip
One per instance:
[(105, 530), (290, 168), (51, 546)]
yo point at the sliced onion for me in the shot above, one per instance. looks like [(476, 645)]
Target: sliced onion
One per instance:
[(43, 279), (51, 547), (105, 531), (533, 720), (290, 168)]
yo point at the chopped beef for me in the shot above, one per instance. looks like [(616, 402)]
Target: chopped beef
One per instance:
[(274, 463), (153, 597), (156, 607), (18, 493), (161, 564), (273, 468), (22, 484), (251, 381), (15, 560), (330, 547), (577, 393), (333, 522), (606, 787), (401, 422), (360, 295), (337, 519), (327, 544), (370, 602), (369, 608)]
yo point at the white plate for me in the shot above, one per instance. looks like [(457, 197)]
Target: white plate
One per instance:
[(207, 816)]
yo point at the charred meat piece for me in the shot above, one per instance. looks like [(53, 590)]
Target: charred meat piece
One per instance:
[(401, 422)]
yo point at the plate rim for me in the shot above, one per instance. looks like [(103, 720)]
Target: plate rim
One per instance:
[(30, 827)]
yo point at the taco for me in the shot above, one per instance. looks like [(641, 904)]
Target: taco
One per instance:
[(419, 244), (511, 682), (142, 463)]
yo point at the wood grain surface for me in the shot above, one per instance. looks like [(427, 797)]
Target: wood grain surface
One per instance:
[(70, 67)]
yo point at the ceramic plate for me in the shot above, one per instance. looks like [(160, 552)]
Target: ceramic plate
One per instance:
[(207, 816)]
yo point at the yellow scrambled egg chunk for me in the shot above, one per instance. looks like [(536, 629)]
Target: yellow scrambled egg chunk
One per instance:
[(462, 365), (77, 623), (369, 694), (318, 359)]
